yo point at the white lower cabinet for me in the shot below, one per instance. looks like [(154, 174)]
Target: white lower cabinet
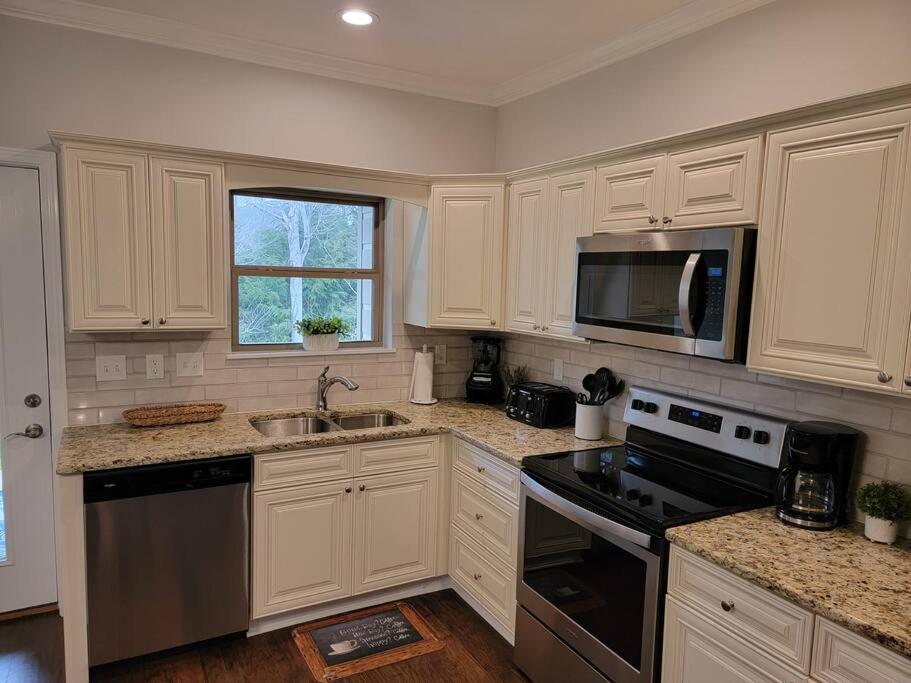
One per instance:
[(840, 656), (395, 525), (317, 542)]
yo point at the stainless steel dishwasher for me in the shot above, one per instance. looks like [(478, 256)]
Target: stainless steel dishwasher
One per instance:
[(167, 555)]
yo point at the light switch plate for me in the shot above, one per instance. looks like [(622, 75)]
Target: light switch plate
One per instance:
[(110, 368), (189, 365), (439, 354), (154, 366), (558, 369)]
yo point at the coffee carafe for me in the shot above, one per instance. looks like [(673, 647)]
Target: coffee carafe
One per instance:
[(816, 471)]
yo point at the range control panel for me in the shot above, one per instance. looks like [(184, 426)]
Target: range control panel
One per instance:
[(751, 436)]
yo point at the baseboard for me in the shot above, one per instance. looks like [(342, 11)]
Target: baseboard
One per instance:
[(508, 635), (28, 612), (300, 616)]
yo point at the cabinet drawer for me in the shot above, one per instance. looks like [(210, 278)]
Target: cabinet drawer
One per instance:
[(493, 584), (495, 474), (840, 656), (773, 624), (697, 651), (488, 520), (389, 456), (275, 470)]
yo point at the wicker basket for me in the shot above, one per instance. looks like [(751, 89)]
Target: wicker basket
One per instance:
[(175, 414)]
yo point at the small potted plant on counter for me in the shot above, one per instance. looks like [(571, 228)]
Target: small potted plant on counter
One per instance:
[(885, 504), (321, 333)]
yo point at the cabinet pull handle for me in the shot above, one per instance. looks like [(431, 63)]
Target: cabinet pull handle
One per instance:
[(162, 321), (727, 606), (652, 220), (478, 516), (477, 577), (908, 381), (666, 220), (362, 487), (347, 489), (145, 321), (884, 376)]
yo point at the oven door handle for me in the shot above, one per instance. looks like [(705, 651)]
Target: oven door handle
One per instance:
[(684, 295), (580, 515)]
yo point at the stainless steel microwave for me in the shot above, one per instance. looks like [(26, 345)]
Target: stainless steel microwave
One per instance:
[(684, 291)]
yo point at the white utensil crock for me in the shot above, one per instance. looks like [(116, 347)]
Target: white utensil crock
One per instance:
[(589, 422)]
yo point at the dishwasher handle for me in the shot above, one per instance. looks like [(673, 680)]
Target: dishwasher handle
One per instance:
[(150, 480)]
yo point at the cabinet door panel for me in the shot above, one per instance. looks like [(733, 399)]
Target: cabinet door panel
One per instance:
[(301, 546), (630, 195), (107, 240), (831, 298), (712, 186), (395, 529), (572, 204), (524, 283), (189, 254), (467, 253)]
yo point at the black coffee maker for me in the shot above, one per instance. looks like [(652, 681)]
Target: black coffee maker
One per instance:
[(813, 481), (484, 384)]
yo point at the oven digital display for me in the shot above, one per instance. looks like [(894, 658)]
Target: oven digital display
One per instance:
[(695, 418)]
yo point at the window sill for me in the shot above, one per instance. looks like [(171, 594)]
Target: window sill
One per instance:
[(358, 351)]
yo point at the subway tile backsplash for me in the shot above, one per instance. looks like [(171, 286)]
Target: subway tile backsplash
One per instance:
[(885, 420), (248, 384)]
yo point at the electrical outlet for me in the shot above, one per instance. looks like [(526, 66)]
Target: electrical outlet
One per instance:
[(558, 369), (439, 354), (154, 366), (189, 365), (110, 368)]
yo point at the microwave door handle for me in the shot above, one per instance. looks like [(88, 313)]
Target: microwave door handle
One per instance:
[(684, 294)]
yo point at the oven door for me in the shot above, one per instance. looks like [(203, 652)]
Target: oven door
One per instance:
[(592, 581), (672, 291)]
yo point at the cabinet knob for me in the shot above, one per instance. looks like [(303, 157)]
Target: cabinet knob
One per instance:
[(536, 327), (493, 323), (145, 321), (362, 487), (481, 470), (478, 516), (162, 321), (666, 220), (545, 328), (347, 489), (652, 220), (477, 577), (908, 381), (727, 606), (884, 376)]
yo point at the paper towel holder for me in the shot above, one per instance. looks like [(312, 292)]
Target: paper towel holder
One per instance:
[(421, 389)]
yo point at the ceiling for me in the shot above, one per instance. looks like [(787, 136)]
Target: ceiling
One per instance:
[(485, 51)]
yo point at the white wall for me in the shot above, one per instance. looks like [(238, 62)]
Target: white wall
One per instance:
[(783, 55), (52, 77)]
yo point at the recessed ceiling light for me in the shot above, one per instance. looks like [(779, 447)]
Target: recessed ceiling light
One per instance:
[(357, 17)]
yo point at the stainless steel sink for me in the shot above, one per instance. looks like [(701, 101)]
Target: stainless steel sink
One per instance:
[(294, 426), (367, 420)]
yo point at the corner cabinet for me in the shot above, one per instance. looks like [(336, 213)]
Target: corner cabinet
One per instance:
[(454, 258), (836, 309), (144, 240)]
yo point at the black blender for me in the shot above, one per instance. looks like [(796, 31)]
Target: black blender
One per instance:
[(484, 384)]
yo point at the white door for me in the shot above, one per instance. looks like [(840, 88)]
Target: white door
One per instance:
[(27, 568), (630, 195), (525, 284)]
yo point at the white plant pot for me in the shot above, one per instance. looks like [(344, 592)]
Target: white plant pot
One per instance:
[(321, 343), (880, 530), (589, 422)]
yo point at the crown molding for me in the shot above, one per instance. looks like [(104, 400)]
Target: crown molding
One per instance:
[(689, 18)]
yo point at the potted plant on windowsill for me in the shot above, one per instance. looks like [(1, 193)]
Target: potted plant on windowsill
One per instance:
[(885, 504), (321, 333)]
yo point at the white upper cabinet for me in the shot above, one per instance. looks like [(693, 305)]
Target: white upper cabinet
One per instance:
[(145, 240), (831, 296), (630, 195), (188, 254), (466, 256), (524, 281), (713, 186), (107, 240)]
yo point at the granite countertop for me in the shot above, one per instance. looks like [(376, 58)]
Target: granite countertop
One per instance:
[(838, 574), (101, 447)]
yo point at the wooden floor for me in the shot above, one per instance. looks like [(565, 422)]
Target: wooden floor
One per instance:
[(31, 650)]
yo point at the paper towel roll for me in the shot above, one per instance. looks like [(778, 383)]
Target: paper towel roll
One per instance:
[(421, 390)]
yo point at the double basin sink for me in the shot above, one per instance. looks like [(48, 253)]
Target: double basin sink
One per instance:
[(294, 426)]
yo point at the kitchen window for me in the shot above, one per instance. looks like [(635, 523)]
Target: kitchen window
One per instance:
[(297, 254)]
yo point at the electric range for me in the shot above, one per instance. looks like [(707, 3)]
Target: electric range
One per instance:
[(592, 552)]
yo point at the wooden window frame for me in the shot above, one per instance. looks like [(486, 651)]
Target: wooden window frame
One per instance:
[(376, 273)]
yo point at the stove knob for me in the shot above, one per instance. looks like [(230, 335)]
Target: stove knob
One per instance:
[(632, 494), (742, 432), (760, 437), (645, 500), (651, 407), (636, 404)]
